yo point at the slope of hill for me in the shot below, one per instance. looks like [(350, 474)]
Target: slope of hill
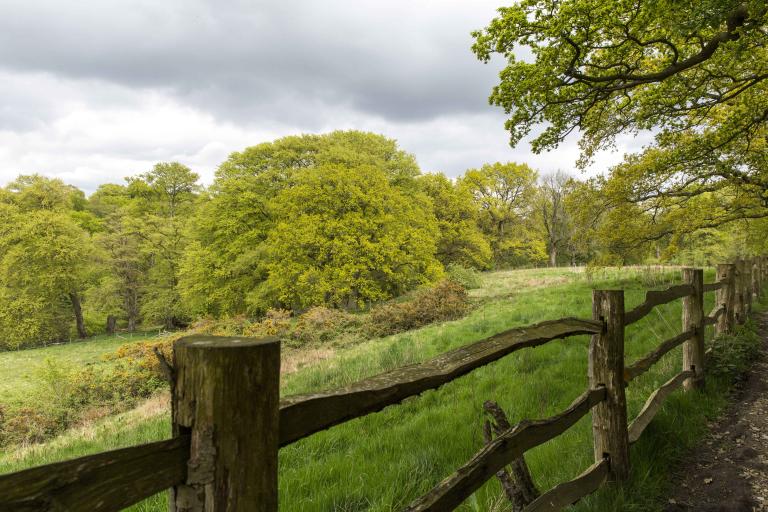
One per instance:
[(383, 461)]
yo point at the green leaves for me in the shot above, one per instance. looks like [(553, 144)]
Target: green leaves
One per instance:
[(346, 237), (606, 67)]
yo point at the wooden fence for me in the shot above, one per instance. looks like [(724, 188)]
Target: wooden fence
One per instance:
[(229, 423)]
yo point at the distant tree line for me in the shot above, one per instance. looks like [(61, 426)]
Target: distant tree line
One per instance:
[(344, 220)]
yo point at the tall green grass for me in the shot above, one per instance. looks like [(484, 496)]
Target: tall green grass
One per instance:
[(385, 460)]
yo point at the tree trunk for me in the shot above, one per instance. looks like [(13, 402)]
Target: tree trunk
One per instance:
[(78, 310), (552, 255), (111, 324), (132, 309)]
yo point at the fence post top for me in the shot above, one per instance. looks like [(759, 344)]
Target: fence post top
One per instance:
[(223, 342)]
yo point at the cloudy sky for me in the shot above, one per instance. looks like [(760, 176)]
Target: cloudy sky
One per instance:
[(96, 90)]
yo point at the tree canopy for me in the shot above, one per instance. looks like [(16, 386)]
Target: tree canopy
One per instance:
[(693, 74), (608, 67)]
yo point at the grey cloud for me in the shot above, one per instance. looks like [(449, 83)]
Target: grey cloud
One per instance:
[(258, 61)]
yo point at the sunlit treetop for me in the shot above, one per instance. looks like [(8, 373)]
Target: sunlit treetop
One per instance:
[(604, 67)]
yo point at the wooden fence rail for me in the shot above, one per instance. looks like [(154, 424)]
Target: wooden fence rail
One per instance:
[(510, 445), (302, 415), (228, 421)]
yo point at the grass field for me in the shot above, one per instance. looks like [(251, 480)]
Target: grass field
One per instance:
[(385, 460), (19, 368)]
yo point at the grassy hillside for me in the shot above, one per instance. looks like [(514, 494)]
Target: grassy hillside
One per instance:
[(383, 461), (19, 368)]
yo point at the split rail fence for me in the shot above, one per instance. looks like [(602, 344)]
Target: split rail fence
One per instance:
[(229, 422)]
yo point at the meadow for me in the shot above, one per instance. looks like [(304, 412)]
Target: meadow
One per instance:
[(20, 368), (385, 460)]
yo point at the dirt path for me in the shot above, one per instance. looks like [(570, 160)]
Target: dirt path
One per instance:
[(729, 472)]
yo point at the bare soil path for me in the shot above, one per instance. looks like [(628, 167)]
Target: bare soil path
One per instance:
[(729, 471)]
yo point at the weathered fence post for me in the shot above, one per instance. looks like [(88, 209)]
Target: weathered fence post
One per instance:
[(750, 283), (746, 282), (740, 309), (226, 396), (606, 368), (755, 291), (726, 297), (693, 319)]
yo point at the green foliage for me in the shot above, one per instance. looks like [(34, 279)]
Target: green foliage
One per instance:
[(461, 242), (697, 80), (732, 354), (346, 238), (320, 324), (609, 66), (258, 242), (276, 322), (342, 220), (469, 278), (504, 195), (45, 261)]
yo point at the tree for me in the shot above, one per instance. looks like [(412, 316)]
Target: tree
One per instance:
[(44, 262), (610, 67), (161, 202), (240, 211), (605, 67), (461, 241), (503, 193), (125, 264), (346, 237), (551, 207)]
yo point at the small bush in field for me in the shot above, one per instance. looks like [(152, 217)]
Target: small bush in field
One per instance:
[(469, 278), (67, 393), (447, 300), (277, 322), (30, 425), (228, 326), (321, 324)]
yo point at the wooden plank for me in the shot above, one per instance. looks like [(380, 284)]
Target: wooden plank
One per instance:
[(449, 493), (642, 365), (568, 493), (711, 287), (655, 298), (107, 481), (716, 312), (302, 415), (653, 404)]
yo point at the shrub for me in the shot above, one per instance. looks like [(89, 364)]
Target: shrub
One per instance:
[(321, 324), (277, 322), (467, 277), (227, 326), (30, 425), (447, 300), (67, 394)]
